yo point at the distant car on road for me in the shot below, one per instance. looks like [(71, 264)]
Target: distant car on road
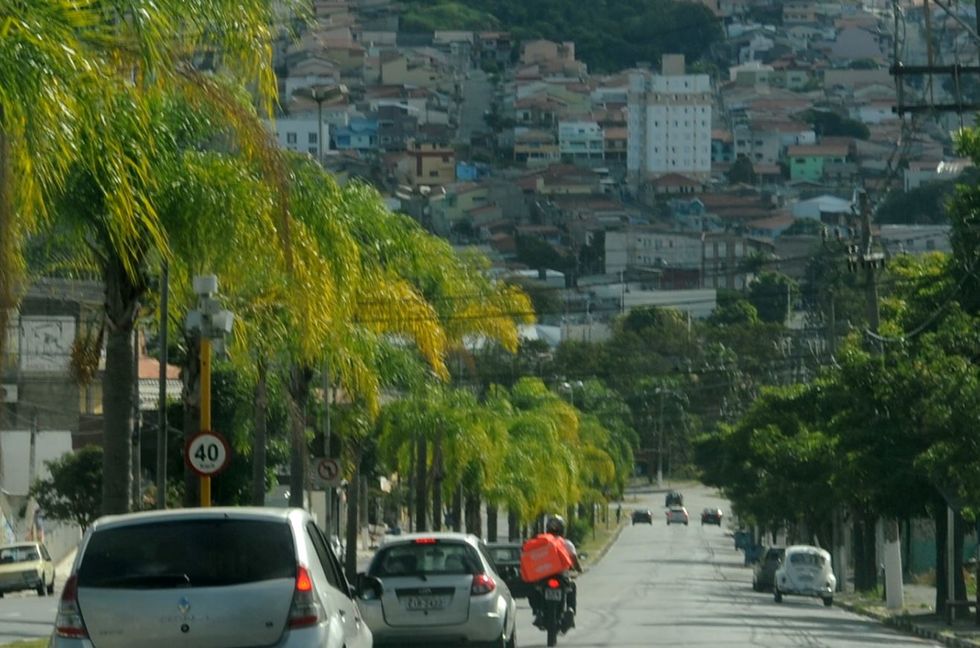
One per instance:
[(26, 566), (506, 558), (674, 498), (711, 516), (441, 587), (805, 571), (677, 515), (223, 576), (643, 516), (764, 572)]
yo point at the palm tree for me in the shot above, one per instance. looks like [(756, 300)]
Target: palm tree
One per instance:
[(87, 73)]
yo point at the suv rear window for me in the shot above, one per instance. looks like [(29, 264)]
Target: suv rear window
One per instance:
[(196, 553)]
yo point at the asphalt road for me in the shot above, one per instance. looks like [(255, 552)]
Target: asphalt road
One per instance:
[(658, 586), (25, 615), (687, 586)]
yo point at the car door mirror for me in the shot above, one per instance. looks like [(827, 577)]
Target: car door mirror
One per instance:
[(367, 587)]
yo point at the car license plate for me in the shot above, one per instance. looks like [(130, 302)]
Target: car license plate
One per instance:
[(552, 594), (425, 603)]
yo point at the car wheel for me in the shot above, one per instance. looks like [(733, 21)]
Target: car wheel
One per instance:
[(777, 595), (828, 601), (513, 638), (51, 586), (42, 589)]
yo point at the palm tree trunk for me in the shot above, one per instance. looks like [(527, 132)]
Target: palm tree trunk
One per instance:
[(7, 240), (437, 484), (458, 509), (491, 522), (259, 441), (190, 375), (350, 562), (121, 305), (299, 392), (421, 467), (474, 523)]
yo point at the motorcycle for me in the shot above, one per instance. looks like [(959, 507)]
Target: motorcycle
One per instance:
[(557, 615)]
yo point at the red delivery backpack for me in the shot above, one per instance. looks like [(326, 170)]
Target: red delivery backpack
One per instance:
[(542, 556)]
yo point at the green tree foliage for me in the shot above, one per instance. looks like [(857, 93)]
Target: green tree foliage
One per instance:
[(773, 294), (446, 15), (830, 124), (73, 491), (924, 205), (742, 171), (608, 36), (733, 309)]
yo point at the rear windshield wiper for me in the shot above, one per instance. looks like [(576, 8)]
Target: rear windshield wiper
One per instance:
[(142, 580)]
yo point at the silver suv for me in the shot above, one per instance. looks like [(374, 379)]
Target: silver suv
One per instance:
[(214, 578)]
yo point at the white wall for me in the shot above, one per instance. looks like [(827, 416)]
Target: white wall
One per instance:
[(15, 452)]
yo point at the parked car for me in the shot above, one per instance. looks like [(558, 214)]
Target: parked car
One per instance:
[(677, 515), (644, 516), (805, 571), (506, 557), (436, 588), (208, 577), (674, 498), (711, 516), (764, 571), (26, 566)]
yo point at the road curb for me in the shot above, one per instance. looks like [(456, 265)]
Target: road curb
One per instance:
[(905, 623)]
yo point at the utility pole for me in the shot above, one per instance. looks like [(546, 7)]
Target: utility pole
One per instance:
[(871, 262)]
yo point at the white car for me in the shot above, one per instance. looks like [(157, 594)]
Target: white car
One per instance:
[(805, 571), (207, 578), (429, 588), (677, 515)]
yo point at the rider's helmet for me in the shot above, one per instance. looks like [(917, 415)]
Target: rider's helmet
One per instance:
[(556, 525)]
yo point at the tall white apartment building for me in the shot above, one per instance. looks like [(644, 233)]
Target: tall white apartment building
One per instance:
[(669, 127)]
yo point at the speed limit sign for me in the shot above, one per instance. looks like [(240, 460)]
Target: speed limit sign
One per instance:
[(207, 453)]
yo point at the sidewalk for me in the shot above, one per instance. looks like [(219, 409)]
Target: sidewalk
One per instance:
[(917, 617)]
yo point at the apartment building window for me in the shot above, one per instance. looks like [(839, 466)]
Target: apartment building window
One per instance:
[(290, 138), (311, 138), (312, 151)]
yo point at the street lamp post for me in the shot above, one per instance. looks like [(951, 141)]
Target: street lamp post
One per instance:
[(212, 324), (320, 94)]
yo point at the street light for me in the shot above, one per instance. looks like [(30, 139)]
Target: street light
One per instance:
[(211, 323), (570, 388), (319, 94)]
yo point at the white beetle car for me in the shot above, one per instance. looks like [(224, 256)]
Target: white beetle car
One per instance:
[(806, 571)]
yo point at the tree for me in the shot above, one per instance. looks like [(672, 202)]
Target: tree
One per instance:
[(104, 70), (772, 294), (73, 491), (742, 171), (829, 124)]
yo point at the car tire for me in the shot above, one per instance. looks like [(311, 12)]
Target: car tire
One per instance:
[(777, 595), (42, 589), (828, 601), (513, 638), (51, 586)]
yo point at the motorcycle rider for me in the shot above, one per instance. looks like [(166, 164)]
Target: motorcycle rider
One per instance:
[(556, 527)]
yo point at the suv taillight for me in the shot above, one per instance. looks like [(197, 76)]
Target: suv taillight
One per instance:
[(69, 623), (305, 610), (482, 584)]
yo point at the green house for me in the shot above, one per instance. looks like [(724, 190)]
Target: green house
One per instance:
[(807, 162)]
